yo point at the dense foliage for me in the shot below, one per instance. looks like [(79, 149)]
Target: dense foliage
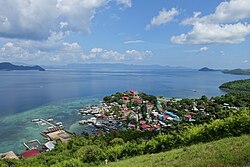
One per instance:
[(239, 85)]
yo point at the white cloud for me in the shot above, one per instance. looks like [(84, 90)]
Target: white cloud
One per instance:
[(62, 52), (203, 49), (214, 33), (127, 3), (96, 50), (163, 17), (26, 19), (245, 61), (133, 42), (225, 12), (222, 26)]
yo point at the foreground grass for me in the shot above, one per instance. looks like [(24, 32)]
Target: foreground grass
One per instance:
[(226, 152)]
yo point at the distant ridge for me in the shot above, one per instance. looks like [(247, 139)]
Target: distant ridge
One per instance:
[(5, 66), (237, 71), (207, 69)]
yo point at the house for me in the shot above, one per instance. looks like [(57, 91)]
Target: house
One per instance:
[(132, 126), (142, 122), (160, 117), (171, 115), (187, 117), (30, 153), (145, 127), (8, 155), (157, 127), (49, 145), (59, 135)]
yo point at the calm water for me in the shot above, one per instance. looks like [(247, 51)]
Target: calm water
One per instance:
[(59, 93)]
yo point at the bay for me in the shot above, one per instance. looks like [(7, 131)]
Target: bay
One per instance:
[(59, 93)]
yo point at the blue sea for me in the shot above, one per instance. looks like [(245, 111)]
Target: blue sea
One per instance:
[(59, 93)]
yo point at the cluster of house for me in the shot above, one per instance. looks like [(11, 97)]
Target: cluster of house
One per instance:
[(52, 134), (117, 116)]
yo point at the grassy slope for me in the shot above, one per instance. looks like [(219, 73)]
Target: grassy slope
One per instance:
[(226, 152)]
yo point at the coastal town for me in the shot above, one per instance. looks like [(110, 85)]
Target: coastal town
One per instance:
[(129, 110)]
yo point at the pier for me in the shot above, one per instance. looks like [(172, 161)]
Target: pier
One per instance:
[(50, 124)]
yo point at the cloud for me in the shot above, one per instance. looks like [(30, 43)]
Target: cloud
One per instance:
[(214, 33), (225, 12), (245, 61), (61, 52), (163, 17), (134, 42), (203, 49), (126, 3), (99, 54), (35, 20), (222, 26)]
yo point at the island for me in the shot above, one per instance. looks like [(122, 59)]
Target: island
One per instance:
[(237, 71), (239, 85), (5, 66), (207, 69)]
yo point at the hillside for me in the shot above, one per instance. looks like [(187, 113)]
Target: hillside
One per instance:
[(239, 85), (226, 152), (237, 71), (10, 67)]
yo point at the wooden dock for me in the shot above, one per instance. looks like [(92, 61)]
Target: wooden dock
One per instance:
[(50, 124)]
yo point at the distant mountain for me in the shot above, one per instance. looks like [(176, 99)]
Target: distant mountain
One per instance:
[(237, 71), (111, 66), (10, 67), (207, 69)]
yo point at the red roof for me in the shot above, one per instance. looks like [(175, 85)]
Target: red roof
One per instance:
[(188, 116), (132, 91), (30, 153), (157, 127), (145, 126), (143, 122), (166, 117)]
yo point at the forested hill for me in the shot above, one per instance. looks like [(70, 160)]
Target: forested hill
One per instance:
[(11, 67), (237, 71), (239, 85)]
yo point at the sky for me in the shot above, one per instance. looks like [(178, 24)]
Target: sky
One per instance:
[(187, 33)]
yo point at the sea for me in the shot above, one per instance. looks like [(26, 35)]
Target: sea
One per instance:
[(60, 93)]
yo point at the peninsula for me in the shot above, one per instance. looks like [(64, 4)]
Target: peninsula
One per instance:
[(5, 66), (237, 71), (239, 85)]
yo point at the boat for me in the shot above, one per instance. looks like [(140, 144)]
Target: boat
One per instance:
[(43, 124), (59, 123), (35, 120), (50, 120)]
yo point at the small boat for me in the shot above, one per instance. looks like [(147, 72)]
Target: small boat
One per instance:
[(35, 120), (59, 123), (50, 120), (43, 124)]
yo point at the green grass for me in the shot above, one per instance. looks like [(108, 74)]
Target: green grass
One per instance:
[(226, 152)]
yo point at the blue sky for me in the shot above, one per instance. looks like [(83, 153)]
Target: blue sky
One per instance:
[(188, 33)]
